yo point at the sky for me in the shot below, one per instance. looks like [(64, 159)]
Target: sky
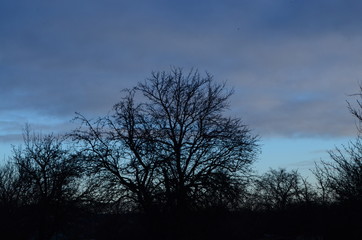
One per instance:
[(292, 64)]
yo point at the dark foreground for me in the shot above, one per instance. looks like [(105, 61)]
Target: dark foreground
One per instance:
[(316, 222)]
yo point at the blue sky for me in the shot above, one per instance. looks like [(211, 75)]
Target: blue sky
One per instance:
[(293, 64)]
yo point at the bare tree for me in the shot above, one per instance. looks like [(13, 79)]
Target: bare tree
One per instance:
[(341, 178), (307, 192), (12, 189), (324, 192), (47, 167), (279, 188), (118, 157), (49, 172), (166, 148)]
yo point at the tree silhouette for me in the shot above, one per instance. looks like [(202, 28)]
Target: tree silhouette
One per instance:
[(278, 188), (47, 167), (341, 178), (166, 139), (11, 187), (49, 173)]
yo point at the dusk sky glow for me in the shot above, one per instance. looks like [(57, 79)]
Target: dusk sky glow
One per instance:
[(292, 63)]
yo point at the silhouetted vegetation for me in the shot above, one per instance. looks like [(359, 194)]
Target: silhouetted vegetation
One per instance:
[(279, 189), (167, 163), (174, 151)]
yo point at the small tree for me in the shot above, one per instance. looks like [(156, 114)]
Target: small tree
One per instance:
[(277, 189), (49, 172), (325, 194), (12, 189), (341, 178), (47, 167), (166, 148)]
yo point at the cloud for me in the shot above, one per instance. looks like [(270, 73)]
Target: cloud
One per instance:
[(302, 164), (300, 86), (292, 63), (10, 138)]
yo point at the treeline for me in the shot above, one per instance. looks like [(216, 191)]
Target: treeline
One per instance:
[(169, 163)]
